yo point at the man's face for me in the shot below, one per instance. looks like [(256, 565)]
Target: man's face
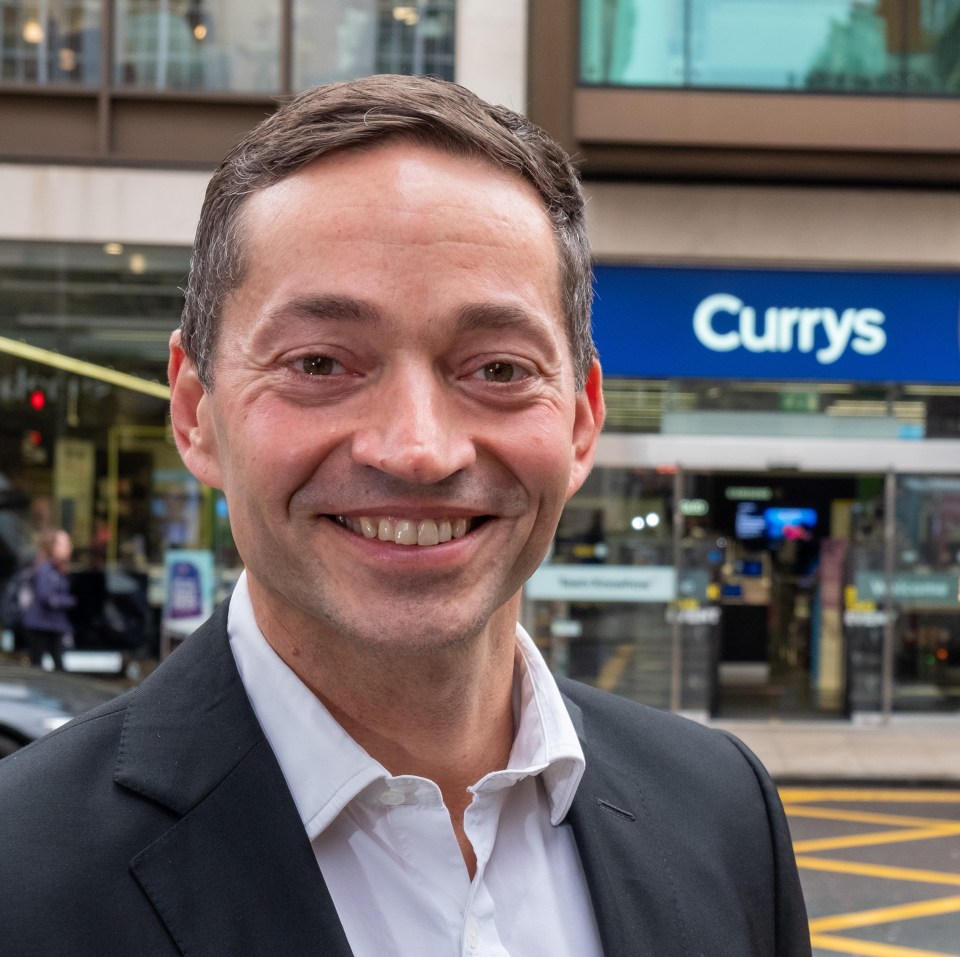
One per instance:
[(393, 418)]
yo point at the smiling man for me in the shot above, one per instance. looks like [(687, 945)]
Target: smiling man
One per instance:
[(385, 362)]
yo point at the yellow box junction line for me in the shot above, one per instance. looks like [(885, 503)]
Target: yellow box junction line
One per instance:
[(901, 828)]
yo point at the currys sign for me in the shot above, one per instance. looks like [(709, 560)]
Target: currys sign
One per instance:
[(785, 328), (789, 324)]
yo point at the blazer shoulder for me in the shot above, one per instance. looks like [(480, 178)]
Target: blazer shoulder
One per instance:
[(627, 729)]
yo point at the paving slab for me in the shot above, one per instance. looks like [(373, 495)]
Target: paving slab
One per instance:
[(908, 749)]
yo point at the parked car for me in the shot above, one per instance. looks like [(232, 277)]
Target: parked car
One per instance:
[(34, 702)]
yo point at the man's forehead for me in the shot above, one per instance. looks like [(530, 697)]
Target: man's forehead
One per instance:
[(399, 163)]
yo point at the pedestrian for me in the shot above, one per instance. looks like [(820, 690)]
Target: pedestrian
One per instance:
[(385, 362), (46, 623)]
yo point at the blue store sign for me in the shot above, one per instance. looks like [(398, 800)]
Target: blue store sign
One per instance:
[(778, 324)]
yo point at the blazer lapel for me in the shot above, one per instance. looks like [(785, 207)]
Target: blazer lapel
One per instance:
[(235, 874), (630, 880)]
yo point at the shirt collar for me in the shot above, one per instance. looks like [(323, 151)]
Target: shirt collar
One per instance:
[(326, 769)]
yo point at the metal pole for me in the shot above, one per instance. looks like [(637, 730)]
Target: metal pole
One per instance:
[(889, 562), (287, 84), (43, 47), (419, 58), (676, 632), (108, 27)]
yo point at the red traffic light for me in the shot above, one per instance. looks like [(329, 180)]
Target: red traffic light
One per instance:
[(37, 400)]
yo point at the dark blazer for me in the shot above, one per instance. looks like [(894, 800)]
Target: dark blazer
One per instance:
[(160, 824)]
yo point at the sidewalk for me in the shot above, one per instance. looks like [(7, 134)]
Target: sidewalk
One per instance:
[(908, 749)]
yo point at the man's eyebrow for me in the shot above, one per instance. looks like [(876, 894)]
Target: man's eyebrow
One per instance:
[(495, 315), (473, 317), (338, 308)]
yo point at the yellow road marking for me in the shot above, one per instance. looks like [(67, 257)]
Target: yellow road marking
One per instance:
[(878, 870), (866, 948), (613, 670), (870, 840), (881, 795), (886, 915), (867, 817), (904, 828)]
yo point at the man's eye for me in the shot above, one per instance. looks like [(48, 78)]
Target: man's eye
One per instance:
[(319, 365), (501, 372)]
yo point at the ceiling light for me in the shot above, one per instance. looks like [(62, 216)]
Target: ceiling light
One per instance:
[(33, 31), (408, 15)]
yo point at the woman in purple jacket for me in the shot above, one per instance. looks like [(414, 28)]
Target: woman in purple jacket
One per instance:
[(45, 619)]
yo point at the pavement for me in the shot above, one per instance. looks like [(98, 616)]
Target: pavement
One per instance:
[(904, 749)]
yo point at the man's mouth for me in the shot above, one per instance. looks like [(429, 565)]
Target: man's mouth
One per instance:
[(408, 531)]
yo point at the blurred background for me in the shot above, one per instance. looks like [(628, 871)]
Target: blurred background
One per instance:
[(773, 527)]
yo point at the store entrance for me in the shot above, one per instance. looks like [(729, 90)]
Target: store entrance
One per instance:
[(779, 583)]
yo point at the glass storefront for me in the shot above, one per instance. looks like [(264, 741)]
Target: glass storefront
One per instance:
[(704, 589), (219, 45), (854, 46), (822, 581), (84, 441), (757, 594)]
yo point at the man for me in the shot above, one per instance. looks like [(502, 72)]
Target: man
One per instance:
[(385, 362)]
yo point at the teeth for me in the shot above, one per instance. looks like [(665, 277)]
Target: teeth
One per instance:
[(405, 531)]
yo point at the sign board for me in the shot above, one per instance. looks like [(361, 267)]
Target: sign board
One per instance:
[(800, 325), (620, 583), (188, 601), (916, 591)]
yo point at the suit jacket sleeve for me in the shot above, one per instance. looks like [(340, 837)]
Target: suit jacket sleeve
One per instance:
[(792, 930)]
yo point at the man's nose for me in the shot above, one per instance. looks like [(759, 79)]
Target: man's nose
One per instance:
[(414, 430)]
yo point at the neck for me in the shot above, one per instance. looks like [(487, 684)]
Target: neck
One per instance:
[(441, 713), (445, 714)]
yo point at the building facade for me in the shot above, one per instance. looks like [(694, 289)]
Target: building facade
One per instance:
[(773, 527), (774, 211)]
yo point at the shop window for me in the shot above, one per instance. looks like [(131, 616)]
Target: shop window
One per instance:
[(197, 45), (335, 40), (925, 586), (851, 46), (50, 41), (598, 607), (219, 45), (83, 333)]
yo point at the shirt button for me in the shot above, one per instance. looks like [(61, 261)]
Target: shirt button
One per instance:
[(393, 798), (473, 934)]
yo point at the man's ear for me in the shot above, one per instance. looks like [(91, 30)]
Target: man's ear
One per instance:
[(586, 427), (191, 417)]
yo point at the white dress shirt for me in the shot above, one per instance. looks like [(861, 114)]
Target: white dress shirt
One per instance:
[(386, 846)]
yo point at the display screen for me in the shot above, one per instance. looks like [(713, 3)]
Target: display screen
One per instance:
[(750, 522), (797, 524)]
